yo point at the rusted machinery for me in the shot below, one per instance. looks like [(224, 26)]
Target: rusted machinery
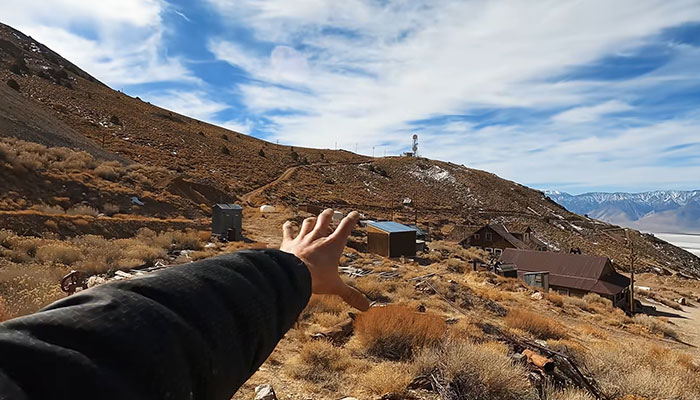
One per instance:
[(547, 364)]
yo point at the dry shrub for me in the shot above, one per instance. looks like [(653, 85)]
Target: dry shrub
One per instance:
[(62, 253), (373, 288), (568, 394), (51, 225), (656, 326), (4, 315), (187, 240), (395, 332), (386, 377), (81, 209), (466, 329), (578, 302), (43, 208), (476, 371), (636, 369), (110, 209), (320, 363), (671, 304), (109, 170), (319, 303), (538, 325), (555, 298)]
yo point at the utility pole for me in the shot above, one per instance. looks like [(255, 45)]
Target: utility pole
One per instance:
[(372, 151), (632, 259)]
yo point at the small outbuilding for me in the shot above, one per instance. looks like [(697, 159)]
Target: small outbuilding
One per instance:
[(227, 222), (391, 239)]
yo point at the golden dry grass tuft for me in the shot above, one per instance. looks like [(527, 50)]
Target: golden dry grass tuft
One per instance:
[(479, 371), (320, 363), (656, 326), (386, 377), (637, 369), (538, 325), (396, 332)]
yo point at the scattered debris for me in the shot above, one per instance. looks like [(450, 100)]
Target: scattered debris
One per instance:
[(265, 392), (536, 296), (538, 360), (267, 208)]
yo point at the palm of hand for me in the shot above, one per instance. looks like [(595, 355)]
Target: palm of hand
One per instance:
[(320, 249)]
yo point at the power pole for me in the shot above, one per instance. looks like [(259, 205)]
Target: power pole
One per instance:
[(372, 151), (632, 259)]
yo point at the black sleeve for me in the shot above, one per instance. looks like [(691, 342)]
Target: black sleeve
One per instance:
[(196, 331)]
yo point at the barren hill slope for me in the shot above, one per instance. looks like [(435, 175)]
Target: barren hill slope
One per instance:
[(54, 102)]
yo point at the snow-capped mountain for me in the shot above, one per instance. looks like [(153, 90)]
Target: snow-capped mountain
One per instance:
[(661, 211)]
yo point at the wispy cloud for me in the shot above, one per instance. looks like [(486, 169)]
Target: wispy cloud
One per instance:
[(365, 72), (117, 41)]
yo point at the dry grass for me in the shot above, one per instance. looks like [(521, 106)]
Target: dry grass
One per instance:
[(320, 363), (656, 326), (568, 394), (81, 209), (641, 370), (396, 332), (538, 325), (476, 371), (43, 208), (555, 298), (386, 377)]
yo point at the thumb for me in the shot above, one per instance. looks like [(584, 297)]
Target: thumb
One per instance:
[(353, 297)]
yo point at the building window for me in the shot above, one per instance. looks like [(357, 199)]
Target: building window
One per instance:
[(527, 236), (490, 250), (497, 251), (563, 292), (476, 236), (489, 237)]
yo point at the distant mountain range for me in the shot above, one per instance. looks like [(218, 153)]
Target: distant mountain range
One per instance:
[(670, 211)]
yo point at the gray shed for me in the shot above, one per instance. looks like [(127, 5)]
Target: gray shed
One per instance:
[(227, 222)]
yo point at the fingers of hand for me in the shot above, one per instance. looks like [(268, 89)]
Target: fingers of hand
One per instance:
[(343, 231), (306, 227), (287, 231), (353, 297), (323, 223)]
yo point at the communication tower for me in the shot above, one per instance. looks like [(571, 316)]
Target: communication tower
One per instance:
[(415, 145)]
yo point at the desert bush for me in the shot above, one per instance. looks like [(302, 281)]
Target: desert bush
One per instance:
[(187, 240), (45, 209), (110, 209), (58, 253), (538, 325), (6, 237), (320, 363), (386, 377), (373, 288), (319, 303), (396, 332), (656, 326), (567, 394), (476, 371), (81, 209), (106, 171), (555, 299), (578, 302), (635, 369)]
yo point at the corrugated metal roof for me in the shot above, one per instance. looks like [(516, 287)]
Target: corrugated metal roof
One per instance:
[(390, 226), (584, 272), (229, 206)]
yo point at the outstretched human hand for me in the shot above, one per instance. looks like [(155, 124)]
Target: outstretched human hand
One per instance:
[(320, 249)]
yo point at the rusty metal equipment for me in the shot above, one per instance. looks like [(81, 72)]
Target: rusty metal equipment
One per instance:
[(72, 281), (547, 364)]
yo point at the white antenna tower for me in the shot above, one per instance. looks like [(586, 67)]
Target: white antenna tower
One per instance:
[(415, 145)]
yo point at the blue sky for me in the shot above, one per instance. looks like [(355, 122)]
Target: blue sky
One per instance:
[(569, 95)]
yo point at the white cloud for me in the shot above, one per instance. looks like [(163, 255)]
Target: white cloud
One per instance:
[(361, 71), (119, 41), (194, 104), (591, 113)]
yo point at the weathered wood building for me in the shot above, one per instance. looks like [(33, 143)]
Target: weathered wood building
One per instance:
[(391, 239), (573, 274), (227, 222), (495, 238)]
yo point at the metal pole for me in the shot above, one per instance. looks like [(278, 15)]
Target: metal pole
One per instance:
[(633, 257)]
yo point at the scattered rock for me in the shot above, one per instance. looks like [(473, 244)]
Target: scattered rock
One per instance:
[(536, 296), (349, 398), (265, 392), (13, 84), (682, 301), (267, 208)]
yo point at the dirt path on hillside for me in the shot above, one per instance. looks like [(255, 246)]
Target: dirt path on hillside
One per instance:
[(246, 198), (687, 322)]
